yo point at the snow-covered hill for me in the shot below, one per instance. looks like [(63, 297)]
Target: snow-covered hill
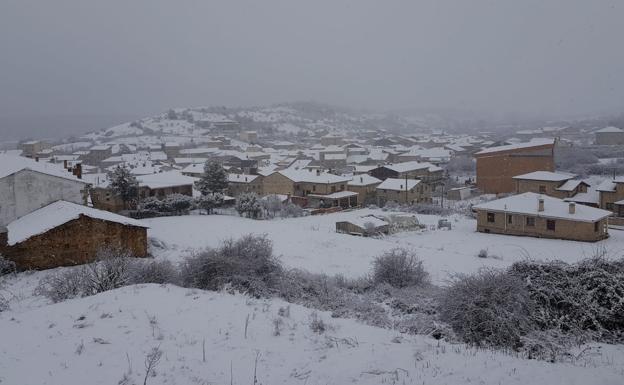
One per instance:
[(217, 338)]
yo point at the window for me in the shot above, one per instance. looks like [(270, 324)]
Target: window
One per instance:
[(596, 226), (333, 189), (491, 217), (550, 224), (313, 187), (341, 187), (609, 206), (509, 219), (530, 221), (542, 189)]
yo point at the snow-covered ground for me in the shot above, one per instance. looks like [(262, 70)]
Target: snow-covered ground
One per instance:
[(311, 243), (216, 338)]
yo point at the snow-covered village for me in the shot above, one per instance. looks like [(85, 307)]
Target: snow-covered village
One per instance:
[(262, 241)]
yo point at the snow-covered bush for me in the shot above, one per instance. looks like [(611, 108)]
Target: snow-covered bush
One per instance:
[(246, 265), (248, 204), (66, 284), (399, 267), (291, 210), (586, 298), (209, 202), (109, 271), (171, 204), (489, 308), (151, 271)]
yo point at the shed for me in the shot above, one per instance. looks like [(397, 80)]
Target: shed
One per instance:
[(364, 226)]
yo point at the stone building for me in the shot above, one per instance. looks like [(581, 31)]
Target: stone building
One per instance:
[(366, 187), (426, 172), (609, 136), (496, 166), (541, 216), (303, 182), (165, 183), (64, 234), (407, 191), (244, 183), (558, 185)]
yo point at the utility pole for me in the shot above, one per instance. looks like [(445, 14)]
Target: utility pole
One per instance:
[(406, 200)]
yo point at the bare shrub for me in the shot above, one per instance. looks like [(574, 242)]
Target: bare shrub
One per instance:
[(490, 308), (399, 267), (246, 265), (151, 271), (6, 266), (109, 271), (317, 325), (70, 283)]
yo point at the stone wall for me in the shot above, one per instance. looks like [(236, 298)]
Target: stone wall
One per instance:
[(76, 242)]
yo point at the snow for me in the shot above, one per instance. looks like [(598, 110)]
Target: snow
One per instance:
[(165, 179), (527, 203), (592, 196), (546, 176), (610, 129), (363, 180), (335, 195), (571, 185), (411, 166), (363, 221), (98, 339), (10, 164), (56, 214), (517, 146), (398, 184), (311, 176), (241, 178)]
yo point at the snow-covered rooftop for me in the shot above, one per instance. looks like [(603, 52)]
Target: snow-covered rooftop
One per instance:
[(609, 129), (56, 214), (363, 221), (311, 176), (10, 164), (546, 176), (165, 179), (398, 184), (571, 185), (412, 166), (335, 195), (517, 146), (241, 178), (528, 203), (363, 180)]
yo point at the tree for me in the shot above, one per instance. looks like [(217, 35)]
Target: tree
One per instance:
[(272, 204), (214, 180), (124, 185), (210, 202), (248, 204)]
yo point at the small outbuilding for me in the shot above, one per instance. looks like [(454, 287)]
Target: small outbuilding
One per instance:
[(66, 234), (364, 226)]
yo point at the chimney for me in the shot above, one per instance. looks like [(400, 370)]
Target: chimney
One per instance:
[(318, 172), (540, 204), (361, 179), (65, 164), (78, 170), (36, 159), (572, 208)]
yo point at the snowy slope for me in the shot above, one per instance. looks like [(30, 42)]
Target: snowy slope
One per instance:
[(101, 339)]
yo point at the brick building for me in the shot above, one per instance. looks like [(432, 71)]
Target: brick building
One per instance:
[(496, 166), (408, 191), (558, 185)]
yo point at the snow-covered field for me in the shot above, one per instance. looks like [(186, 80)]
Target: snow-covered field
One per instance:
[(105, 338), (311, 243)]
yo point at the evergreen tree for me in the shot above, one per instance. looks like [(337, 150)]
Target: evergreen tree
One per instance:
[(214, 180), (124, 185)]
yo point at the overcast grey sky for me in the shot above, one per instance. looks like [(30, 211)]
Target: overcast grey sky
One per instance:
[(142, 56)]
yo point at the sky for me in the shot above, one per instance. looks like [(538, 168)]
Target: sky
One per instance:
[(141, 57)]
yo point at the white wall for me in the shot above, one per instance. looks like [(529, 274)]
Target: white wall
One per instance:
[(26, 191)]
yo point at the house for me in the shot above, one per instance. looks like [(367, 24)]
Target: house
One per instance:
[(536, 215), (366, 187), (165, 183), (611, 197), (609, 136), (244, 183), (459, 193), (65, 233), (31, 148), (496, 166), (364, 226), (97, 154), (27, 185), (303, 182), (424, 171), (407, 191), (558, 185)]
